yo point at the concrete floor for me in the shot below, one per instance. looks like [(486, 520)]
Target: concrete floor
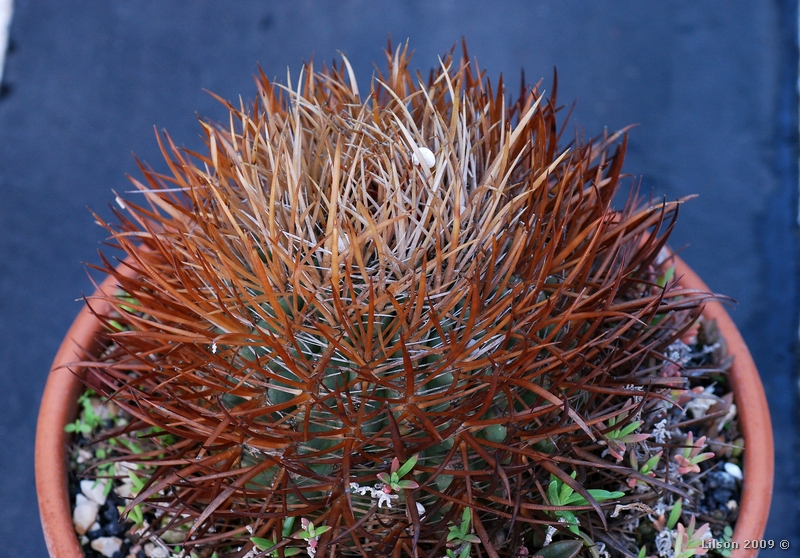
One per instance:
[(712, 85)]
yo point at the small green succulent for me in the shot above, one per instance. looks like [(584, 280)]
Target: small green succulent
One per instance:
[(393, 482), (561, 494), (459, 539), (88, 419), (690, 456)]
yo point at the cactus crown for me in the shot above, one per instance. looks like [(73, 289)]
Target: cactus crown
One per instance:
[(348, 281)]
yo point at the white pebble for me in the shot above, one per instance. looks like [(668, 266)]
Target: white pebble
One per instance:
[(95, 490), (107, 546), (85, 514), (733, 470), (105, 411), (427, 156), (125, 490), (420, 509), (84, 456), (153, 551), (121, 468), (173, 536)]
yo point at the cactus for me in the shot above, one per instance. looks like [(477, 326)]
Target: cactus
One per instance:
[(347, 279)]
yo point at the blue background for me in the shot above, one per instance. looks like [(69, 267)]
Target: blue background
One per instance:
[(711, 84)]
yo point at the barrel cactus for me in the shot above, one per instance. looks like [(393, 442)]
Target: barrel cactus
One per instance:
[(406, 317)]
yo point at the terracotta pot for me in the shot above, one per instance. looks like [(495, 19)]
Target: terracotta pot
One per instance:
[(754, 421), (59, 407), (63, 387)]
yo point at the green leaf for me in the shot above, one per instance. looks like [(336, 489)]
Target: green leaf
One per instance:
[(262, 544), (678, 548), (136, 482), (552, 492), (407, 466), (571, 520), (675, 514), (78, 426), (702, 457), (596, 493), (568, 516), (130, 445), (566, 493), (575, 500), (465, 552), (323, 529), (602, 495), (651, 463), (630, 428), (465, 517), (288, 523), (136, 514), (574, 529), (305, 535), (632, 438), (667, 277)]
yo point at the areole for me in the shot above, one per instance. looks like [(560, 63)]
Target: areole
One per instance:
[(59, 407)]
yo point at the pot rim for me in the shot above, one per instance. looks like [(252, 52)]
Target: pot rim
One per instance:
[(754, 421), (59, 407)]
